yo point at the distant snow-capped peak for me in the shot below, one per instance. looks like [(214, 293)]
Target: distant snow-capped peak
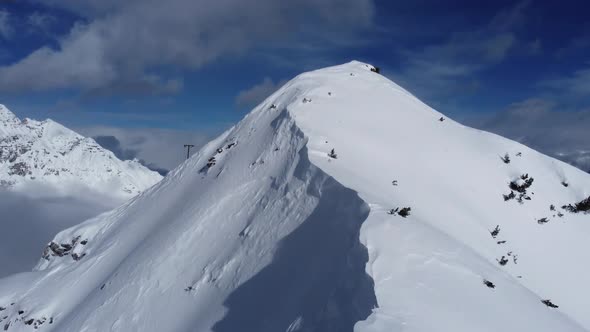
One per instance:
[(45, 152)]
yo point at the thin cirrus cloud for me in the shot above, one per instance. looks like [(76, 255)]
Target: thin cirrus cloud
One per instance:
[(451, 66), (40, 21), (254, 95), (575, 85), (127, 43), (6, 29)]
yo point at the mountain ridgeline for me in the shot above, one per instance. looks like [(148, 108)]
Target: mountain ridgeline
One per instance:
[(340, 203)]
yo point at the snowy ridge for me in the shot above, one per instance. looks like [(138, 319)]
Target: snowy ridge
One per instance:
[(263, 231), (45, 152)]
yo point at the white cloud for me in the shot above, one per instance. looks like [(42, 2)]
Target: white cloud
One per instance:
[(257, 93), (125, 43)]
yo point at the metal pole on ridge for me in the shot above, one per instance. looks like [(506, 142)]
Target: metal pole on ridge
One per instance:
[(188, 150)]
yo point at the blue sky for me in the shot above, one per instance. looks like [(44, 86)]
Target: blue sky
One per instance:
[(117, 68)]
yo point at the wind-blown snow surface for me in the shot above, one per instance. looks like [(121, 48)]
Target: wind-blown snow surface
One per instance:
[(262, 231), (45, 153)]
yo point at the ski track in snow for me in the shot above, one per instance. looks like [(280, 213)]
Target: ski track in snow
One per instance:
[(262, 231)]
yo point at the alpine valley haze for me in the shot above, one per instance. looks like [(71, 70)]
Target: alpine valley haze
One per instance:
[(52, 178), (340, 203)]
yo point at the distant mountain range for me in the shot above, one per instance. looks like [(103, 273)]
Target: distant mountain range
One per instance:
[(45, 152)]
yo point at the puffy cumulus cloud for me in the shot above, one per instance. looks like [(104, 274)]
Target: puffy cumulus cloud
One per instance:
[(131, 43), (159, 149), (257, 93), (539, 124), (28, 223), (6, 29)]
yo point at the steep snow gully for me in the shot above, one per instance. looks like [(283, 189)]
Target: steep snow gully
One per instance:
[(266, 230)]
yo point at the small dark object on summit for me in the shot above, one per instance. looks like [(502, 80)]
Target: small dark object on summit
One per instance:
[(506, 159), (549, 303), (393, 211), (404, 212), (333, 154), (496, 231), (509, 196), (489, 283), (581, 206), (521, 188)]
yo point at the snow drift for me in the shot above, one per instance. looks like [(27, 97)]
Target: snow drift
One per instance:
[(292, 221)]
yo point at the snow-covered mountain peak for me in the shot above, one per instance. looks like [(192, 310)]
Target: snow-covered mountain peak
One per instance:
[(7, 117), (47, 153), (341, 203)]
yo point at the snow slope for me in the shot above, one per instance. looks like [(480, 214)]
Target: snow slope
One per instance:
[(262, 231), (34, 153)]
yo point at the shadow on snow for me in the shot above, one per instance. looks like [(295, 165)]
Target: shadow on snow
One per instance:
[(317, 279)]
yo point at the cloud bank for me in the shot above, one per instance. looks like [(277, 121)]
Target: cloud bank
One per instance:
[(29, 223), (135, 45)]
